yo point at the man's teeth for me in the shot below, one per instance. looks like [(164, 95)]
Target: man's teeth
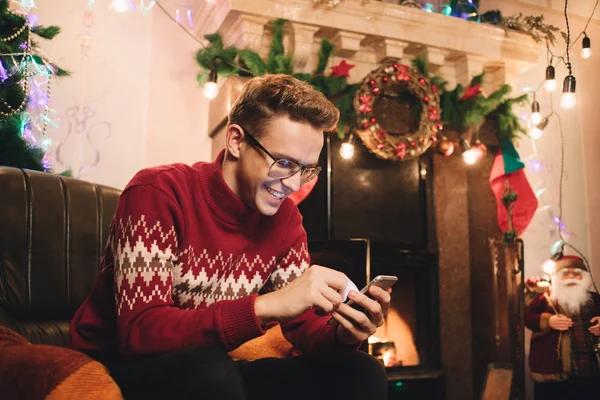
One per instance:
[(275, 193)]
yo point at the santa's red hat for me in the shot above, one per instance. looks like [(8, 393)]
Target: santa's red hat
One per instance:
[(570, 262)]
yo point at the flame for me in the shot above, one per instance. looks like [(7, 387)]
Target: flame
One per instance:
[(389, 358)]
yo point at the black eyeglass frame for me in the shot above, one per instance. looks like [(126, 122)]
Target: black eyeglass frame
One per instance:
[(301, 167)]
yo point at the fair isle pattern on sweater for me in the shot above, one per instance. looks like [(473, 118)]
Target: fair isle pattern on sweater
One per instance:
[(182, 266), (135, 262), (151, 269)]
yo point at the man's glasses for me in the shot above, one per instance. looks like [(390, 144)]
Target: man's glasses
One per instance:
[(283, 168)]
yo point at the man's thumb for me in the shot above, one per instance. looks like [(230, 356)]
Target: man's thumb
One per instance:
[(595, 319)]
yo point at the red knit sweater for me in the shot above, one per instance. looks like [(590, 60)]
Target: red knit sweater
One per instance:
[(183, 265)]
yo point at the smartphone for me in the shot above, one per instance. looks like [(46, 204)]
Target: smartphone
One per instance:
[(383, 281)]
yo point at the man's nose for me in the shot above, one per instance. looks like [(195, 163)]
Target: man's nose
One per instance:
[(293, 182)]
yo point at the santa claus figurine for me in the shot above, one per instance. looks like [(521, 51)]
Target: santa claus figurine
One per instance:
[(566, 328)]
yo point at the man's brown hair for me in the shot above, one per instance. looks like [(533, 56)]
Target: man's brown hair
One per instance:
[(270, 96)]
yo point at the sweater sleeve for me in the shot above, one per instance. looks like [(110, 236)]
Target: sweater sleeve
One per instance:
[(144, 246), (536, 315), (309, 333)]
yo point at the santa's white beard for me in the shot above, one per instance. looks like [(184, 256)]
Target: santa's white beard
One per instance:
[(571, 298)]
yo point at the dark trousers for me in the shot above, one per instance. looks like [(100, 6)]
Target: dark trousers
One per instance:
[(573, 388), (209, 373)]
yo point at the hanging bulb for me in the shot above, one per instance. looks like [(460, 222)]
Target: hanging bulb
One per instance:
[(211, 89), (471, 154), (586, 49), (550, 83), (120, 5), (347, 150), (549, 264), (536, 131), (535, 117), (568, 99)]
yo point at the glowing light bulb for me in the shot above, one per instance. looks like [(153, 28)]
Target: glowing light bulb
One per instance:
[(211, 90), (568, 100), (347, 151), (548, 266), (471, 156), (120, 5), (535, 118), (586, 50), (550, 85), (586, 53), (536, 133)]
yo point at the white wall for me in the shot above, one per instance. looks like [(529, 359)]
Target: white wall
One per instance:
[(178, 110), (581, 201), (140, 87)]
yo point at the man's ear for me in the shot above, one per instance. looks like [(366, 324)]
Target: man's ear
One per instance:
[(233, 140)]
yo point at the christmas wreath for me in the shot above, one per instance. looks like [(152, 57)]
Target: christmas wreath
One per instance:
[(391, 80)]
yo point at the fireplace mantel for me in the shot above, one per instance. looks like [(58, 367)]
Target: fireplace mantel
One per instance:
[(367, 35)]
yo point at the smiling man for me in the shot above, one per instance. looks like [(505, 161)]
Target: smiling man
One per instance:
[(201, 259)]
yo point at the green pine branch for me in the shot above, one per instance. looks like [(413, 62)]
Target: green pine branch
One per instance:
[(324, 54), (421, 65), (231, 61), (276, 61), (46, 32)]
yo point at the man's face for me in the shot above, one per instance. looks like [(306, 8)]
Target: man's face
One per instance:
[(283, 139)]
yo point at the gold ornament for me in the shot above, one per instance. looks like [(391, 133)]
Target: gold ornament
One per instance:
[(445, 147)]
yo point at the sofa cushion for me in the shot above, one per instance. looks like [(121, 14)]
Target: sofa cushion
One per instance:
[(32, 371)]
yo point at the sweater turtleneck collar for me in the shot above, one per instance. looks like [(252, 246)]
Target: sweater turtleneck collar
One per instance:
[(223, 202)]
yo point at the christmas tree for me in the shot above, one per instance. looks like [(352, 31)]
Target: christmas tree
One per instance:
[(24, 74)]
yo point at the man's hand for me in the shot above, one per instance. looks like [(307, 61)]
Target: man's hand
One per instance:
[(560, 322), (595, 330), (317, 287), (356, 326)]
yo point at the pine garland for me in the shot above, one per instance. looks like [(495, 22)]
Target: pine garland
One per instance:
[(458, 113), (228, 61), (461, 114), (15, 151)]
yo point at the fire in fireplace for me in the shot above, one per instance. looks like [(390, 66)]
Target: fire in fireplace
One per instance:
[(410, 334)]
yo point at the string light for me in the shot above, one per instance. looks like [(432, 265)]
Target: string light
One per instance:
[(536, 131), (586, 46), (550, 83), (347, 149), (211, 89), (120, 5), (568, 99), (472, 153), (549, 264), (536, 116)]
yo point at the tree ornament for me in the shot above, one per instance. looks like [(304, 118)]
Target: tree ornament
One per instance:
[(394, 80), (445, 147)]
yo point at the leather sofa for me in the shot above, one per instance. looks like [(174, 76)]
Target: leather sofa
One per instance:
[(52, 233)]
